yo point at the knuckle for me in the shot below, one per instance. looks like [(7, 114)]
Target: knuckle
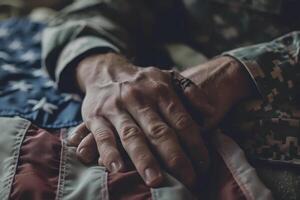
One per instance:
[(103, 135), (171, 108), (159, 87), (108, 155), (157, 72), (143, 158), (146, 111), (152, 69), (130, 93), (94, 115), (183, 121), (139, 154), (159, 132), (143, 161), (140, 76), (129, 133), (132, 90), (176, 162)]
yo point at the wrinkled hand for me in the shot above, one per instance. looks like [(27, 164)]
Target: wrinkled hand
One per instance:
[(138, 106), (220, 84)]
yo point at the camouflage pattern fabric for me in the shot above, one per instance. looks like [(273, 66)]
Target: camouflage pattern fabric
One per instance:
[(272, 122)]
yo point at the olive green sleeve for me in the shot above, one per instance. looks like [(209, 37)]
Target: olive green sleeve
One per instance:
[(86, 27)]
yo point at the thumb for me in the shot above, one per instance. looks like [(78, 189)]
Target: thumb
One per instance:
[(77, 135)]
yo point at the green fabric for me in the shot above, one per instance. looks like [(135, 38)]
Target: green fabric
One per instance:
[(172, 189), (78, 181), (11, 134)]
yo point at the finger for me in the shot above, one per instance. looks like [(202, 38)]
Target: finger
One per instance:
[(166, 144), (134, 143), (77, 135), (100, 162), (87, 150), (187, 130), (106, 144), (162, 138)]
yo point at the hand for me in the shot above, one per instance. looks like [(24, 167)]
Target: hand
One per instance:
[(140, 107), (221, 83)]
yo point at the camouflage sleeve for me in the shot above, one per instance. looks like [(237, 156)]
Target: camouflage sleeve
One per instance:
[(88, 26), (274, 67)]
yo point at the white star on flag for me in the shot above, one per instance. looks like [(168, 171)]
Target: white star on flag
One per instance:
[(29, 56), (40, 73), (50, 84), (42, 104), (15, 45), (4, 56), (20, 85), (10, 68), (68, 97), (3, 32)]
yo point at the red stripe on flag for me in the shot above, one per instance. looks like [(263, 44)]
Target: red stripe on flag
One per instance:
[(38, 166), (128, 186)]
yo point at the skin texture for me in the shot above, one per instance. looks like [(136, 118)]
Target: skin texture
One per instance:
[(146, 109)]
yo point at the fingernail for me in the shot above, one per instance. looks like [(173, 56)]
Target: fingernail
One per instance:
[(83, 151), (151, 175), (70, 140), (85, 154), (115, 167)]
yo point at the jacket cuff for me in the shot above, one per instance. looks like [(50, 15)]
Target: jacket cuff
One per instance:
[(72, 54), (248, 56)]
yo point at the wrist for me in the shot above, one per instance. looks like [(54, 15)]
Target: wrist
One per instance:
[(241, 83), (101, 69), (223, 79), (232, 80)]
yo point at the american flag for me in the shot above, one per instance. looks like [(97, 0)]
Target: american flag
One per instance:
[(25, 87)]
